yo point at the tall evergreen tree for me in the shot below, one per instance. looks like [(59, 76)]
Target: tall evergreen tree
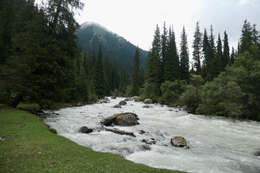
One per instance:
[(197, 45), (232, 57), (152, 80), (171, 65), (164, 47), (135, 75), (184, 57), (246, 40), (226, 51), (219, 55)]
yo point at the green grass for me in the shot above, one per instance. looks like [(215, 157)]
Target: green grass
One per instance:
[(29, 147)]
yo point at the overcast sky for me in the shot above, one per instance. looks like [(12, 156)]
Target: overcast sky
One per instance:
[(135, 20)]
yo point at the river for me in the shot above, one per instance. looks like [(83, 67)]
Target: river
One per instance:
[(217, 145)]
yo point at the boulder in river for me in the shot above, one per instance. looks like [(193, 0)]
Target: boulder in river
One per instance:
[(149, 141), (117, 106), (127, 99), (146, 106), (148, 101), (136, 99), (257, 153), (179, 141), (85, 129), (121, 119), (122, 103), (113, 97), (104, 100)]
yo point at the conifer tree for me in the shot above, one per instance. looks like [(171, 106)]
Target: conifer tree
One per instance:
[(164, 47), (152, 79), (219, 55), (197, 44), (226, 51), (246, 40), (184, 57), (232, 57), (171, 65), (135, 75)]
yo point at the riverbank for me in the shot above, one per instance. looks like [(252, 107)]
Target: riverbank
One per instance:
[(27, 145)]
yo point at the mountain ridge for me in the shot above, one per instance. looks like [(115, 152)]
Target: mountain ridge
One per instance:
[(114, 46)]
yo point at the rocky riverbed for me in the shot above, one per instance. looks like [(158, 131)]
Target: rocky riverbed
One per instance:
[(215, 145)]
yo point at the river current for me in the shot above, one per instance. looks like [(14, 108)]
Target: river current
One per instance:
[(217, 145)]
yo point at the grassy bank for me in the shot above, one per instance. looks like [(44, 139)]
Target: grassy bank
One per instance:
[(30, 147)]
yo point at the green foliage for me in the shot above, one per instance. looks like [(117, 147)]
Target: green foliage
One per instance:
[(171, 91), (222, 97)]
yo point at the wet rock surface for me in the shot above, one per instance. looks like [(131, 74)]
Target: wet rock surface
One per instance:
[(85, 129), (121, 119)]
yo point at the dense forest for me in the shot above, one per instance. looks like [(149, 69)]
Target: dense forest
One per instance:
[(41, 62), (217, 81)]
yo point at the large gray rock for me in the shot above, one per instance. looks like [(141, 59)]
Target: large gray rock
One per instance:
[(117, 106), (136, 99), (179, 141), (148, 101), (85, 129), (121, 119), (122, 103), (257, 153)]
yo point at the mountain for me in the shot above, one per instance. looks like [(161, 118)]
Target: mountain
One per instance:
[(114, 47)]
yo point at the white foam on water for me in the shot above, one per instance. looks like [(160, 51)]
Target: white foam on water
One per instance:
[(217, 145)]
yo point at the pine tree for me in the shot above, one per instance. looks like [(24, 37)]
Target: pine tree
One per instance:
[(184, 57), (232, 57), (152, 79), (226, 51), (197, 44), (206, 55), (246, 41), (219, 55), (164, 47), (171, 65), (135, 76)]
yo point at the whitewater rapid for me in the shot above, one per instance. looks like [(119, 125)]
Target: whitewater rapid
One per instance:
[(217, 145)]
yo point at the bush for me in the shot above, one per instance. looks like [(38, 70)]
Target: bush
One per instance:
[(222, 97), (171, 91), (190, 99)]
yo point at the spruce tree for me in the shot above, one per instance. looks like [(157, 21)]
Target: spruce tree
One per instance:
[(171, 65), (164, 47), (246, 40), (152, 78), (197, 44), (219, 55), (232, 57), (226, 53), (184, 57), (135, 75)]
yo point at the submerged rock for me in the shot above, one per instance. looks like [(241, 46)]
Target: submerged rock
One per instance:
[(147, 106), (127, 99), (257, 153), (148, 101), (85, 129), (104, 100), (113, 97), (149, 141), (122, 103), (179, 141), (121, 119), (117, 106)]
